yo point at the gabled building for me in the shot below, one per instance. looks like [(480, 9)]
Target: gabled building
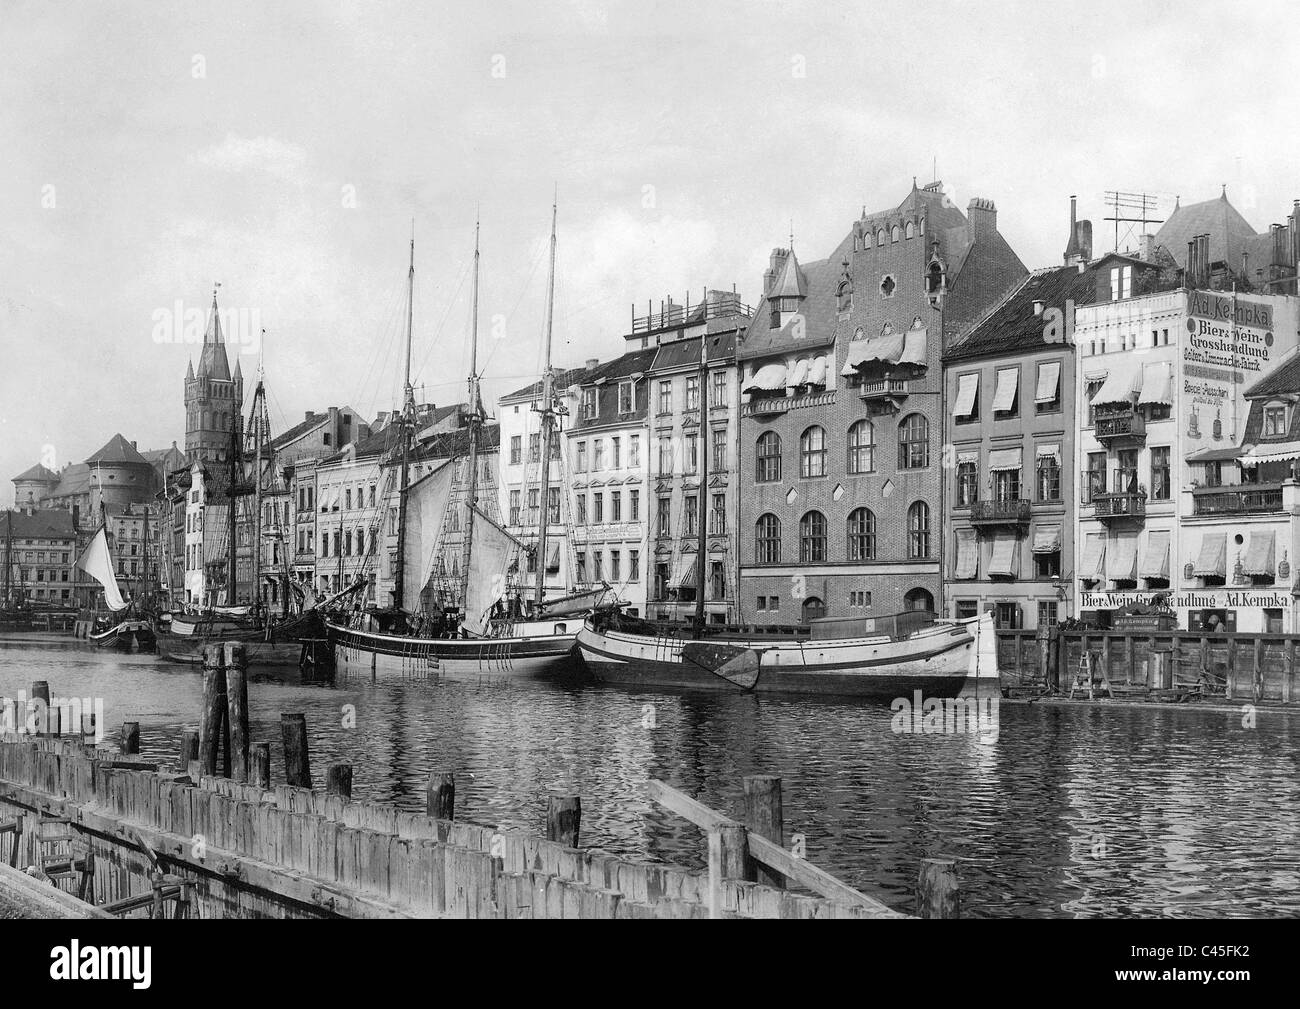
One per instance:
[(842, 413), (38, 551)]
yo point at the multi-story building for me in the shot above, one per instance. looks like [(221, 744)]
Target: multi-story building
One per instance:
[(609, 457), (38, 549), (690, 416), (843, 410), (1010, 480), (135, 546), (1161, 382)]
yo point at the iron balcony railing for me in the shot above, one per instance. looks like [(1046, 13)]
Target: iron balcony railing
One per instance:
[(1012, 512), (1125, 423), (875, 388), (1120, 506), (1238, 501)]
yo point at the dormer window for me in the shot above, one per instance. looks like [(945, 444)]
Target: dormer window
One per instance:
[(790, 305), (588, 410), (626, 399), (1121, 283), (1274, 420)]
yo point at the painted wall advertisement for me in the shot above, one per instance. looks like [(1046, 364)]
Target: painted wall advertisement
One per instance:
[(1232, 343)]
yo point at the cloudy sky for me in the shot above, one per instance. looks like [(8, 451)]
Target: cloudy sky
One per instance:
[(284, 149)]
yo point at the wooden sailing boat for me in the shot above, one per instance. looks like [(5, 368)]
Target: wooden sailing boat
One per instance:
[(132, 631), (887, 656), (488, 641)]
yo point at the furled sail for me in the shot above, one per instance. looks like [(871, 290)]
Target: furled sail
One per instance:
[(490, 552), (426, 501), (97, 563)]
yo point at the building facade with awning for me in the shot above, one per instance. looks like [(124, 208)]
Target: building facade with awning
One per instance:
[(1183, 485)]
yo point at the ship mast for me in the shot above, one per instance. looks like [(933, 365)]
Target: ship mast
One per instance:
[(407, 424), (700, 512), (9, 556), (257, 493), (471, 492), (234, 479), (547, 410)]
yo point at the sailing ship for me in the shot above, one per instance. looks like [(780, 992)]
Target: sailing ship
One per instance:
[(494, 638), (884, 656), (131, 631), (187, 635)]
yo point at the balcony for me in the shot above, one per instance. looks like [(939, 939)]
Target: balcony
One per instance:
[(1120, 507), (766, 406), (999, 513), (1120, 425), (883, 394), (1237, 500)]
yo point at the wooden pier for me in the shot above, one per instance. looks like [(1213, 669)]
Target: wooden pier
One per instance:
[(189, 840)]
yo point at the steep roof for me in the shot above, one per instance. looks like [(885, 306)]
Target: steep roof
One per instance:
[(791, 283), (819, 323), (1013, 327), (1219, 219), (38, 472), (1285, 378), (686, 353), (118, 450), (620, 367), (564, 377), (213, 362), (43, 523)]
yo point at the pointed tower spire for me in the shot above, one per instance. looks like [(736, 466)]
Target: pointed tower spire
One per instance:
[(213, 362)]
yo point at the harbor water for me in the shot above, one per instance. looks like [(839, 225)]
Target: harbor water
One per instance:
[(1080, 811)]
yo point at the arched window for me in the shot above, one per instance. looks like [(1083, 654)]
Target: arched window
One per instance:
[(913, 442), (812, 537), (880, 237), (893, 233), (813, 609), (910, 230), (844, 297), (767, 539), (934, 281), (862, 447), (862, 535), (769, 457), (812, 452), (918, 530), (919, 599)]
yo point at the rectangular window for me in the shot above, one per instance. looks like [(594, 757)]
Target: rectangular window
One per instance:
[(665, 524), (598, 559), (718, 389), (347, 499), (615, 506), (1047, 615), (598, 507), (1006, 485), (661, 581), (665, 456), (967, 483), (1007, 616), (1006, 394), (692, 453), (1049, 473), (1161, 482), (553, 505), (615, 451), (634, 565), (1047, 565), (533, 498), (692, 510), (634, 506), (534, 448), (580, 559), (588, 410), (1090, 389), (626, 399), (1274, 421), (1047, 390), (634, 451), (580, 460), (692, 392), (598, 455), (718, 515), (1121, 283), (1094, 477), (582, 509), (616, 565), (719, 449), (665, 405)]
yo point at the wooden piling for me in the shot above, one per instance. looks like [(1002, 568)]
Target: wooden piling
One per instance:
[(130, 738), (440, 795), (765, 816), (236, 662), (297, 767), (214, 709), (937, 892), (41, 691), (189, 747), (563, 819), (260, 766), (338, 780)]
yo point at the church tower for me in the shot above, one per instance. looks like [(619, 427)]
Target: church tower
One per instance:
[(213, 397)]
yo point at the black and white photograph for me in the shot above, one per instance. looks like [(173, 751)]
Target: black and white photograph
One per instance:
[(605, 460)]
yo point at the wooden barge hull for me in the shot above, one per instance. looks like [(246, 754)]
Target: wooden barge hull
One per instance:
[(940, 661), (189, 649), (128, 636), (372, 653)]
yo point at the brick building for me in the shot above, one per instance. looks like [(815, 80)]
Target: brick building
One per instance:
[(843, 413)]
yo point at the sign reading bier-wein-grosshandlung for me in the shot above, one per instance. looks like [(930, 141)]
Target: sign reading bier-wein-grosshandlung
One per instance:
[(1227, 332)]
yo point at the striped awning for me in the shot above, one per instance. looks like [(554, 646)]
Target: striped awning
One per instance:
[(1155, 560), (1047, 539), (553, 556), (686, 572), (767, 378), (1052, 452), (1212, 560), (1004, 396), (1259, 554), (1004, 555), (1049, 379), (1122, 558), (1003, 459), (860, 351), (1284, 451), (967, 554), (969, 456), (968, 387), (817, 373), (915, 348), (1119, 386), (1158, 384), (1094, 557), (798, 374)]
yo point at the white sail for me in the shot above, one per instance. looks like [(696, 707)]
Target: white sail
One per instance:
[(426, 501), (491, 549), (97, 563)]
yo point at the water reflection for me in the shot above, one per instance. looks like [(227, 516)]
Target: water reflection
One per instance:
[(1071, 812)]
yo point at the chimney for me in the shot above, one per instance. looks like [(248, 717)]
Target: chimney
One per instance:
[(309, 415), (775, 264), (981, 217), (592, 362), (1072, 243), (1147, 248), (1084, 231), (1038, 306)]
